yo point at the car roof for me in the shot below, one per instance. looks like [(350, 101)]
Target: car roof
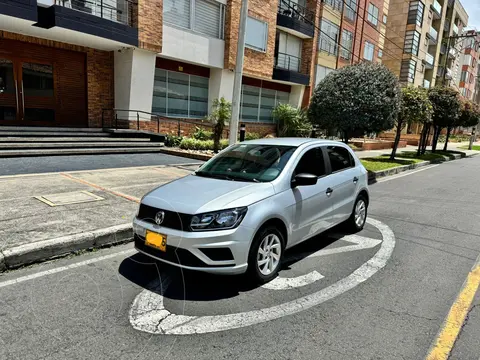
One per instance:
[(293, 141)]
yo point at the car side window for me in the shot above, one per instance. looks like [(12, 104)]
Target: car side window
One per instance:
[(312, 162), (340, 158)]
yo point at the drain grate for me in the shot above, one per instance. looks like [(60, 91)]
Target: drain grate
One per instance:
[(69, 198)]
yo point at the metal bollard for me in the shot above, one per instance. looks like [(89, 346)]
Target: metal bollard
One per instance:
[(242, 132)]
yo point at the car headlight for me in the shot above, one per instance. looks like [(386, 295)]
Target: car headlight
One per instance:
[(218, 220)]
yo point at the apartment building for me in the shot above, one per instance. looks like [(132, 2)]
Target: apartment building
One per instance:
[(466, 72), (420, 30), (351, 31), (63, 62)]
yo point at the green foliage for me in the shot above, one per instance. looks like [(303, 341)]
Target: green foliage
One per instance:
[(415, 106), (446, 106), (252, 136), (219, 116), (359, 98), (469, 114), (291, 122), (202, 134), (173, 140), (194, 144)]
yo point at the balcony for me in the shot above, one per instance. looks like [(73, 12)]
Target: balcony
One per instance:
[(23, 9), (437, 10), (455, 29), (432, 36), (287, 68), (452, 53), (441, 73), (429, 61), (296, 19), (335, 4), (426, 84), (443, 49), (109, 19), (446, 27)]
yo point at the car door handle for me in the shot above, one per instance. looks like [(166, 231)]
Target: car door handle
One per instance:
[(355, 180), (329, 191)]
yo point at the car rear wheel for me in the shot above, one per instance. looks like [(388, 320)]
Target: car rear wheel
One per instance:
[(265, 255), (357, 219)]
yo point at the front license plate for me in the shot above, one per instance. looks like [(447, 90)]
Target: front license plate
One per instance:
[(155, 240)]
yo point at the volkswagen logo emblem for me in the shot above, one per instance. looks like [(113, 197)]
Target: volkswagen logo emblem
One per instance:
[(159, 217)]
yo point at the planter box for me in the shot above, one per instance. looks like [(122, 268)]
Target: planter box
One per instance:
[(380, 145)]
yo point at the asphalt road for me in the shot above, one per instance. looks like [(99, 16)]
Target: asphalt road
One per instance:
[(96, 306), (45, 164)]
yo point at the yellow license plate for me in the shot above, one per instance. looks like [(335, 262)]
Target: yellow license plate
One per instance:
[(155, 240)]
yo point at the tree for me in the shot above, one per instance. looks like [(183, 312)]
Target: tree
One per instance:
[(358, 98), (415, 107), (291, 121), (220, 115), (446, 110)]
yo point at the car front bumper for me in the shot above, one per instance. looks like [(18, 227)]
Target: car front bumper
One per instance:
[(219, 251)]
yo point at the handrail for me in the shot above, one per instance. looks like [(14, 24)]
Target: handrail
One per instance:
[(287, 61), (105, 11), (294, 10)]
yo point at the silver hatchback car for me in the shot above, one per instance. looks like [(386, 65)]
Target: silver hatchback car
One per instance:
[(243, 208)]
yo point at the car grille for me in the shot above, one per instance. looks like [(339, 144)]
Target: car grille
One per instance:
[(172, 220), (173, 254)]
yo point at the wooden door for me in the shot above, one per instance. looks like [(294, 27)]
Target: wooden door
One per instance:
[(9, 104)]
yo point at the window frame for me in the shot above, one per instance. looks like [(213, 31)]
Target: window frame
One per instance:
[(412, 42), (416, 13), (326, 162), (327, 37), (371, 17), (351, 8), (353, 162), (343, 48), (253, 47), (365, 48)]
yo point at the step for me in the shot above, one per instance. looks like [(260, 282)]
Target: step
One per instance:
[(73, 145), (50, 134), (53, 152), (69, 139), (47, 129)]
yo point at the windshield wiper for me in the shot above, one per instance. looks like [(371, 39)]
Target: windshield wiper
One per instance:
[(213, 176)]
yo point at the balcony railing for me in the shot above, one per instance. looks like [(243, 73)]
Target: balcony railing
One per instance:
[(296, 11), (433, 33), (288, 62), (455, 29), (429, 59), (115, 10), (437, 8)]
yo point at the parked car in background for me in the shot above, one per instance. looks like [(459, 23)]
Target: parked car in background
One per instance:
[(243, 208)]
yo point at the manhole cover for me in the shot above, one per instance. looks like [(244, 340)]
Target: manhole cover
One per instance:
[(69, 198)]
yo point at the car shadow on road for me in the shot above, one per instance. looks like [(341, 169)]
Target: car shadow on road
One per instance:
[(199, 286)]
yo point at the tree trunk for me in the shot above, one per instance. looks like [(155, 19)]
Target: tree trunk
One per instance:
[(397, 139), (425, 140), (449, 129), (345, 135), (420, 140), (436, 133)]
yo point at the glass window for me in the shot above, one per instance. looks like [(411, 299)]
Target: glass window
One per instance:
[(180, 95), (248, 162), (257, 104), (7, 82), (350, 9), (322, 72), (385, 18), (347, 41), (177, 12), (463, 77), (415, 13), (412, 42), (340, 158), (329, 37), (380, 53), (407, 71), (312, 162), (372, 14), (37, 79), (368, 51), (256, 34), (336, 4)]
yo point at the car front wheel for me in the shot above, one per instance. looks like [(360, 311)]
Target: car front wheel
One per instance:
[(265, 255), (357, 219)]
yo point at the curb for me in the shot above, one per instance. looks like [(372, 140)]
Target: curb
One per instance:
[(27, 254), (203, 157)]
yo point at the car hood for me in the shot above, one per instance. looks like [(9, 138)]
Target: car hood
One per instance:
[(194, 194)]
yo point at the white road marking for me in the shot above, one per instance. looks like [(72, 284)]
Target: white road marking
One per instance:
[(148, 313), (388, 178), (64, 268), (280, 283)]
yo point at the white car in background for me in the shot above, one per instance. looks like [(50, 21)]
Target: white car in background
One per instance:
[(243, 208)]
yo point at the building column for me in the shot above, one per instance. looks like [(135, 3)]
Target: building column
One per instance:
[(296, 95), (134, 77), (220, 85)]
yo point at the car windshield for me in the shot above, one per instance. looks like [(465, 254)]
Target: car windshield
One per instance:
[(248, 162)]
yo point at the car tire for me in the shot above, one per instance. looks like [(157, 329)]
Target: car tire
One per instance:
[(357, 219), (264, 265)]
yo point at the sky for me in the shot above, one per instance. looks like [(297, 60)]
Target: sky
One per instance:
[(473, 10)]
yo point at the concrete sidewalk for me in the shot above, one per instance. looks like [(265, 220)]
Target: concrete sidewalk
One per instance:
[(49, 215)]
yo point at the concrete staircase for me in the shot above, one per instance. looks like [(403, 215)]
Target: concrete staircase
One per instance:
[(48, 141)]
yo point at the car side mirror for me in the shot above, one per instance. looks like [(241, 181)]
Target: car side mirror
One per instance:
[(304, 179)]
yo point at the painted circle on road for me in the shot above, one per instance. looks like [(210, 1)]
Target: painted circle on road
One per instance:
[(148, 313)]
